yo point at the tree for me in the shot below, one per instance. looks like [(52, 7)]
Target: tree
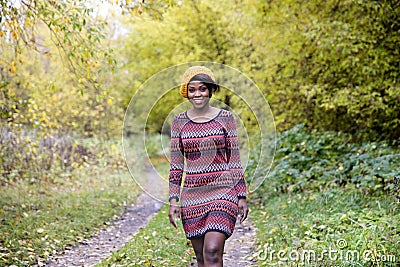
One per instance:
[(338, 67), (72, 27)]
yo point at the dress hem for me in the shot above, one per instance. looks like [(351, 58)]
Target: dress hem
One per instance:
[(210, 230)]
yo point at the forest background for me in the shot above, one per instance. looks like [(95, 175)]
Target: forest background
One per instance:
[(70, 68)]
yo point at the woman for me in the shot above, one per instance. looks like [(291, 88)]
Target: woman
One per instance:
[(214, 190)]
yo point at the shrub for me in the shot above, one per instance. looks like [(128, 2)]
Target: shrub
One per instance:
[(309, 161), (31, 156)]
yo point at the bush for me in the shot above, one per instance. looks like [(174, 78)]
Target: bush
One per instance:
[(34, 157), (315, 161), (339, 67)]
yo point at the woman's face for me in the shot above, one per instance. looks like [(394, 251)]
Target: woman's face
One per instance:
[(198, 94)]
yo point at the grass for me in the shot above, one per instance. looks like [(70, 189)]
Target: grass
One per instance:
[(345, 221), (39, 219)]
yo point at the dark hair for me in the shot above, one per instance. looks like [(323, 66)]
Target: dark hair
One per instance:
[(208, 82)]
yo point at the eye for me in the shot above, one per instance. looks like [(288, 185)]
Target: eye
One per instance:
[(203, 89), (191, 90)]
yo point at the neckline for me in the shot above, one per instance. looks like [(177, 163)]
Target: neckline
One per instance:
[(210, 120)]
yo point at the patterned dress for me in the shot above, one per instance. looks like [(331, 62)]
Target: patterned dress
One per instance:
[(208, 153)]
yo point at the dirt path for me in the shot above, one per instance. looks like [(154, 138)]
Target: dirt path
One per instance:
[(116, 235), (239, 248)]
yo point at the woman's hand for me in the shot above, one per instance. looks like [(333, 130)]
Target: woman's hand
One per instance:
[(243, 209), (174, 211)]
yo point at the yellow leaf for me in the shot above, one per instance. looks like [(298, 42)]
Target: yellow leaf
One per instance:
[(14, 35), (13, 69)]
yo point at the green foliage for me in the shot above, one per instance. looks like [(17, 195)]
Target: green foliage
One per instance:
[(159, 244), (308, 162), (153, 8), (341, 70)]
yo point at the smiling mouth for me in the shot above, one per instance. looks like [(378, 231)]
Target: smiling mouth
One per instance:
[(198, 100)]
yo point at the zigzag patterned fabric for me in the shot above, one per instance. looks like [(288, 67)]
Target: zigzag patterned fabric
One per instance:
[(208, 153)]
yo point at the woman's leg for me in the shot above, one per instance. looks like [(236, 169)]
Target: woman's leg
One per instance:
[(213, 250), (198, 250)]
